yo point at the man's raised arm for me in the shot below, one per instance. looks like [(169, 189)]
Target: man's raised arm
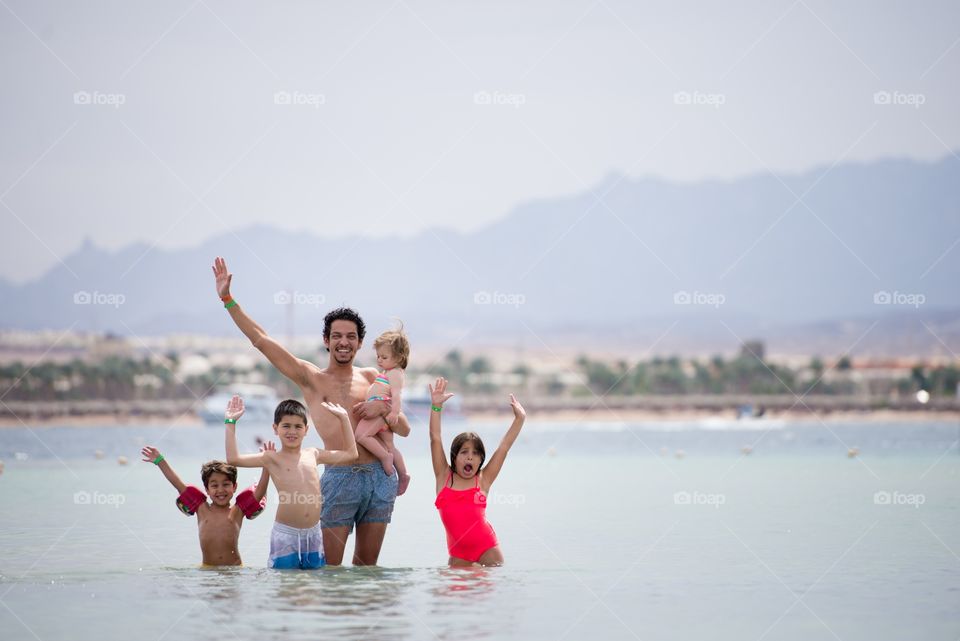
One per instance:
[(288, 364)]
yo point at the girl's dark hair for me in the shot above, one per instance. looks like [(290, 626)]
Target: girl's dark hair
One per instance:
[(347, 314), (460, 441), (210, 467), (290, 407)]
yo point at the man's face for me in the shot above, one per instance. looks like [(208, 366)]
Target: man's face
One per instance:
[(343, 342)]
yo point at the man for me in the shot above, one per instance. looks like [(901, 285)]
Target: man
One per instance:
[(354, 494)]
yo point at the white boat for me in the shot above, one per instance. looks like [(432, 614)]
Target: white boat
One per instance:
[(416, 407), (724, 424), (259, 403), (416, 402)]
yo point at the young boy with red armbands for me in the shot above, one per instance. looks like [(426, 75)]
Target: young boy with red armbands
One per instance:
[(218, 522)]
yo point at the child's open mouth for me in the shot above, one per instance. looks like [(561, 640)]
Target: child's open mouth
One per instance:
[(468, 468)]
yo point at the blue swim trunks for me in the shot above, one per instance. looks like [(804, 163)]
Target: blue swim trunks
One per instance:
[(354, 494), (296, 549)]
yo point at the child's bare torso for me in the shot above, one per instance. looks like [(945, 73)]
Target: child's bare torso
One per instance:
[(219, 530), (295, 476)]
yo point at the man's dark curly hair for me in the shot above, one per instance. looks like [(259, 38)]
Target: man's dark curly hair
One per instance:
[(343, 313)]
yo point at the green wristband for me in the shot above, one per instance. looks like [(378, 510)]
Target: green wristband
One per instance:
[(230, 421), (158, 460), (232, 303), (435, 408)]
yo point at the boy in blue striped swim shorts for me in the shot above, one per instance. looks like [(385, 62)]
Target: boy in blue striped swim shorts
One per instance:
[(295, 542)]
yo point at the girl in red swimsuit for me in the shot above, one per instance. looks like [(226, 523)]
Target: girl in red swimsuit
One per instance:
[(463, 484)]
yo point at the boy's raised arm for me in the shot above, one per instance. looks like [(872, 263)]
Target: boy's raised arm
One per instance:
[(261, 490), (349, 453), (288, 364), (492, 468), (234, 457), (153, 455)]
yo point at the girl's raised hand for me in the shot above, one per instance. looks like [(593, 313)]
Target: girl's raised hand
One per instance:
[(268, 446), (518, 410), (234, 408), (438, 392)]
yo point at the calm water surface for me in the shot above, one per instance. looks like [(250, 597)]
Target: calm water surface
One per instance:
[(606, 533)]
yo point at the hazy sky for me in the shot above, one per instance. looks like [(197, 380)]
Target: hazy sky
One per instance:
[(161, 121)]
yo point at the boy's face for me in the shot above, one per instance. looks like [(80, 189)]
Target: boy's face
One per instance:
[(385, 357), (344, 341), (220, 489), (292, 430), (468, 460)]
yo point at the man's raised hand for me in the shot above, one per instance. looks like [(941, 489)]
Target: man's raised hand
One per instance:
[(223, 277)]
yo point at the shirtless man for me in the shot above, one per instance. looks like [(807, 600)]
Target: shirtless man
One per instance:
[(358, 493)]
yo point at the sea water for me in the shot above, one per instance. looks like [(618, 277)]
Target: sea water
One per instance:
[(610, 531)]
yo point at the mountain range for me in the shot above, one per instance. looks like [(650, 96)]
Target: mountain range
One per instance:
[(796, 256)]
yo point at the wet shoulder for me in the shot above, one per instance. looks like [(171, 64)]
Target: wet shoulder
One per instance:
[(317, 378), (329, 387), (323, 384)]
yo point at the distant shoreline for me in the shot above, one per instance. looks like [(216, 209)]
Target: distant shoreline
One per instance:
[(679, 416), (602, 415), (101, 420)]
